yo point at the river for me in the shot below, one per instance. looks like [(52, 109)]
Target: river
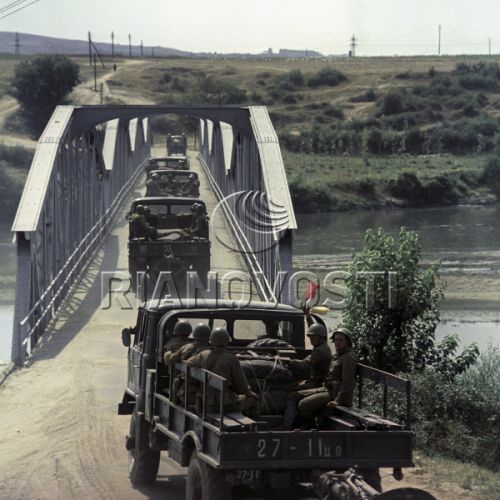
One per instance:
[(465, 239)]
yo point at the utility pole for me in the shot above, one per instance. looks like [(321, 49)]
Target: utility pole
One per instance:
[(439, 40), (101, 93), (90, 50), (112, 45), (142, 49), (152, 51), (17, 45), (489, 46), (352, 52), (95, 73), (130, 46)]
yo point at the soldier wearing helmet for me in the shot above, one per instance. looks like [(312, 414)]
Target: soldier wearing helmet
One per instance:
[(200, 337), (181, 333), (139, 227), (340, 381), (317, 362), (153, 185), (199, 227), (221, 361)]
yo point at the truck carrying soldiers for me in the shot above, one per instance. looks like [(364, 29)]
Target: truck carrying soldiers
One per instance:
[(218, 408)]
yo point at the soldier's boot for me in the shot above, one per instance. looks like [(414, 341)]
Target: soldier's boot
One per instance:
[(289, 415)]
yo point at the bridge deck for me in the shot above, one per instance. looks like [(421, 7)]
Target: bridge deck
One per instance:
[(59, 432)]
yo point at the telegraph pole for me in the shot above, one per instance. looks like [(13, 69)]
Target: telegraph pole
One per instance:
[(130, 46), (95, 73), (90, 50), (112, 45), (439, 40), (142, 49), (152, 51), (353, 46), (489, 46), (17, 45)]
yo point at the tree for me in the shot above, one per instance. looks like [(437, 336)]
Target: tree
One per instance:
[(393, 308), (41, 83)]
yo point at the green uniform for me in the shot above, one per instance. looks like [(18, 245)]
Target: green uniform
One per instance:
[(222, 362), (199, 228), (339, 385), (317, 362), (140, 228), (175, 343)]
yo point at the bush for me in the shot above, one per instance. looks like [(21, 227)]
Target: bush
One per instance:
[(289, 99), (213, 91), (10, 194), (461, 419), (328, 77), (491, 174), (42, 82), (17, 156), (296, 77), (368, 96), (393, 307), (392, 103)]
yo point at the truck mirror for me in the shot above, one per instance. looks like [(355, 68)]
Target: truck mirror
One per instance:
[(126, 337)]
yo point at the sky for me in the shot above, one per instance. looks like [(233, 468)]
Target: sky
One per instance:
[(381, 27)]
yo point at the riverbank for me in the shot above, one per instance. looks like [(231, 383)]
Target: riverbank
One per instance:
[(331, 183)]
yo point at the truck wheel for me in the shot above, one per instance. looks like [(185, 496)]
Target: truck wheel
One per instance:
[(204, 482), (143, 461), (406, 494)]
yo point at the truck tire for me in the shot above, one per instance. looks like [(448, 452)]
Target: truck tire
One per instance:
[(143, 461), (204, 482), (406, 494)]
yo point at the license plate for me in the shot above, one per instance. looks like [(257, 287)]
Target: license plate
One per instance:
[(247, 476)]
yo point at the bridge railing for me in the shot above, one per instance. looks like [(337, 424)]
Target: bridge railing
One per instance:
[(74, 188), (245, 167)]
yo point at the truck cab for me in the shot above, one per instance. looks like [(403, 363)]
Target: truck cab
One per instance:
[(176, 144), (183, 183), (168, 163)]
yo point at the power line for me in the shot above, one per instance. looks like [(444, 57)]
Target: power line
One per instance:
[(17, 10), (12, 5)]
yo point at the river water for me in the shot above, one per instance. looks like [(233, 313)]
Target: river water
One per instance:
[(465, 239)]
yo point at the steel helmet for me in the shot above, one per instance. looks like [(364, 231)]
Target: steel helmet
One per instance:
[(155, 176), (344, 331), (192, 177), (140, 209), (201, 332), (317, 329), (220, 337), (182, 329)]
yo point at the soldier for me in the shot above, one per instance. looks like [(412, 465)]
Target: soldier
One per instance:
[(199, 227), (182, 330), (222, 362), (140, 227), (201, 336), (317, 362), (340, 381), (152, 185), (151, 219)]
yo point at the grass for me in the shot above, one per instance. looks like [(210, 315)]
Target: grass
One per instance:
[(475, 482)]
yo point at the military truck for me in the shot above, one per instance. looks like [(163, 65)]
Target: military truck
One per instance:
[(170, 246), (225, 452), (167, 163), (173, 183), (176, 144)]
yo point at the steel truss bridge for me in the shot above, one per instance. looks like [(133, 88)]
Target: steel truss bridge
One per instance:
[(87, 161)]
